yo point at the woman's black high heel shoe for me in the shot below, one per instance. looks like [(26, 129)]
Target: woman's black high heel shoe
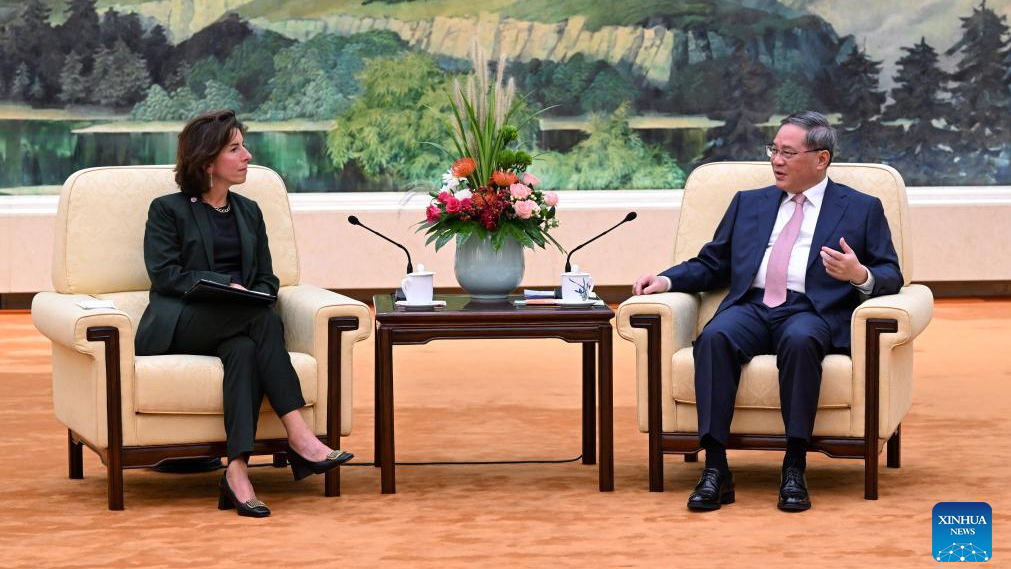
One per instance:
[(302, 467), (249, 508)]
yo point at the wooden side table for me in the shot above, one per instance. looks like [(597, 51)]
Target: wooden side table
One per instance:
[(462, 319)]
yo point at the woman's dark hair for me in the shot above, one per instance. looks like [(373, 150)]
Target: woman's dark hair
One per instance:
[(200, 142)]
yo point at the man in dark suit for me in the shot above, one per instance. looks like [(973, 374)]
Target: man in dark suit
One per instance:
[(791, 294)]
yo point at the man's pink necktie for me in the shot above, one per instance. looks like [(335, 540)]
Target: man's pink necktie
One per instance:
[(779, 259)]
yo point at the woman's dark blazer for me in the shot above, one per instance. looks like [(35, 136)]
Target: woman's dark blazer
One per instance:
[(179, 251)]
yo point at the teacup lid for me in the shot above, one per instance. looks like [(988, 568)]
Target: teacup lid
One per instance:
[(575, 271), (421, 272)]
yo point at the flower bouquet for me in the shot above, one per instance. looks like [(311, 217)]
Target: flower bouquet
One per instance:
[(488, 192)]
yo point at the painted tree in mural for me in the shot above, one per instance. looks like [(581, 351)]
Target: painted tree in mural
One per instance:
[(572, 87), (120, 77), (982, 95), (26, 39), (613, 156), (80, 33), (746, 102), (315, 79), (73, 83), (404, 104), (922, 153), (860, 101)]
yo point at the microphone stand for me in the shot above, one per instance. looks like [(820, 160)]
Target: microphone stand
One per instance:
[(398, 294), (568, 266)]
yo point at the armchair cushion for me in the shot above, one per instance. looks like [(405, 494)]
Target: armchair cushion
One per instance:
[(192, 385), (759, 387)]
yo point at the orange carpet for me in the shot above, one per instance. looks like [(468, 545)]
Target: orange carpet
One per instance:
[(487, 400)]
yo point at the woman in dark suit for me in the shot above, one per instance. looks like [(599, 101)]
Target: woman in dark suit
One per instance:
[(207, 232)]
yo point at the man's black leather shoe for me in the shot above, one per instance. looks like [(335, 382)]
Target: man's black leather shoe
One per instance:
[(793, 496), (713, 490)]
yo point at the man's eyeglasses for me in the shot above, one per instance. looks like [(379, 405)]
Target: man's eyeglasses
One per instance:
[(771, 151)]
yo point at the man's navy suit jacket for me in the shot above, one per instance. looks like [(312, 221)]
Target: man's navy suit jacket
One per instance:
[(735, 254)]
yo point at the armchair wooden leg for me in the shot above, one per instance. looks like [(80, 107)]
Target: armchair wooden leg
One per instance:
[(894, 450), (651, 323), (280, 460), (875, 327), (335, 327), (75, 458), (115, 474), (691, 457)]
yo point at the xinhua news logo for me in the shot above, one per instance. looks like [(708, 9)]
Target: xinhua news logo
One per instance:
[(962, 532)]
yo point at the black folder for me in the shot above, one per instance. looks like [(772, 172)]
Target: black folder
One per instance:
[(210, 291)]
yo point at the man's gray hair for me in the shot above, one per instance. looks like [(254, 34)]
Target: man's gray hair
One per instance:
[(820, 134)]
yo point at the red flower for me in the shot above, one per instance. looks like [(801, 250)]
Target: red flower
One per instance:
[(452, 205), (503, 179), (489, 219), (464, 167), (433, 213), (444, 197)]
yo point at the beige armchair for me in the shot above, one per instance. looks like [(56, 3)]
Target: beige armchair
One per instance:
[(137, 411), (878, 376)]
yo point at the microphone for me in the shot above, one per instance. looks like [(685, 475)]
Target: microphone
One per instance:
[(629, 217), (568, 266), (353, 220)]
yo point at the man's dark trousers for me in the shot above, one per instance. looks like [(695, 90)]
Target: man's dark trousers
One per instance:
[(793, 331)]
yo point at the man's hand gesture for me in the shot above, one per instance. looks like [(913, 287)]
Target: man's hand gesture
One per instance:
[(843, 266), (649, 284)]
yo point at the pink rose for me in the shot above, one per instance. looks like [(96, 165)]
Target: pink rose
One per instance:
[(550, 199), (519, 191), (524, 209), (452, 205), (433, 213), (444, 197), (530, 180)]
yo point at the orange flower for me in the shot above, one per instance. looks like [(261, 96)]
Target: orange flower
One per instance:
[(464, 167), (484, 197), (503, 179)]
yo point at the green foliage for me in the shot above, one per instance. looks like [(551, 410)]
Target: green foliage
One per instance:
[(183, 104), (316, 79), (73, 84), (612, 157), (157, 106), (982, 89), (793, 95), (745, 102), (22, 81), (403, 105), (249, 68), (574, 86), (120, 77), (695, 85), (220, 96)]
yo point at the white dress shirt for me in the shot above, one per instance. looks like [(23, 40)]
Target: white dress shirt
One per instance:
[(797, 268)]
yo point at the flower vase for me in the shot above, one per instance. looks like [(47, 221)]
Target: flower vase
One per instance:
[(487, 274)]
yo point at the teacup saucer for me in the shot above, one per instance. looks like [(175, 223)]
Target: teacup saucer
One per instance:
[(576, 303), (434, 303)]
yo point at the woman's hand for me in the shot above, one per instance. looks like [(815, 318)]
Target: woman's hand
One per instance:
[(237, 285)]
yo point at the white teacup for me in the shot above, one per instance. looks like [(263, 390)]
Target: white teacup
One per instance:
[(419, 286), (576, 285)]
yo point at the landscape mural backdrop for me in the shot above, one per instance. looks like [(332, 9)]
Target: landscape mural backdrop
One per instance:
[(342, 95)]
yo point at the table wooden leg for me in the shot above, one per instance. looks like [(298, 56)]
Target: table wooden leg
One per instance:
[(384, 359), (589, 404), (377, 420), (606, 409)]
